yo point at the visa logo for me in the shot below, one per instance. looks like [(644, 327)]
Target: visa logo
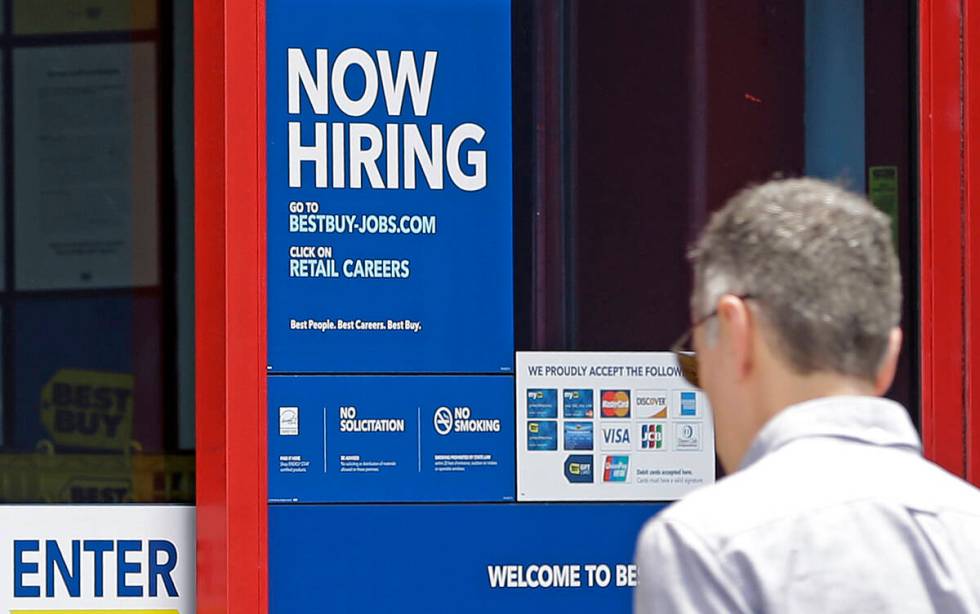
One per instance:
[(140, 567), (616, 435), (616, 438)]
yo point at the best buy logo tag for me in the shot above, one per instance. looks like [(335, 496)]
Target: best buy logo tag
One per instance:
[(89, 409)]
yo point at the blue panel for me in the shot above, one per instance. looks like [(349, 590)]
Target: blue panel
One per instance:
[(425, 558), (458, 287), (834, 113), (391, 438)]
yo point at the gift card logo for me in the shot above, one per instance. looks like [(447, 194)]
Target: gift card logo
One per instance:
[(578, 469)]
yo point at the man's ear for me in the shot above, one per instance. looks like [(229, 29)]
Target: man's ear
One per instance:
[(737, 327), (889, 362)]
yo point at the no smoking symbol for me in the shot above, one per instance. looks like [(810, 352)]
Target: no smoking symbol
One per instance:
[(442, 420)]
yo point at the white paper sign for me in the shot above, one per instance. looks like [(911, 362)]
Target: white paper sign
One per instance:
[(85, 182), (61, 558), (609, 426)]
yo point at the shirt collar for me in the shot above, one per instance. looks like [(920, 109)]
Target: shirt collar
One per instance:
[(871, 420)]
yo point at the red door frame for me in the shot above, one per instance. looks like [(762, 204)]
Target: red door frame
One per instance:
[(229, 73), (971, 123), (949, 135), (229, 135)]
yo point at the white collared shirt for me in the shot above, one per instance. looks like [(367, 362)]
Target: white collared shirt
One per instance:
[(833, 510)]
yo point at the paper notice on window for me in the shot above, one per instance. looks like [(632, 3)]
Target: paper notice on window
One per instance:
[(85, 167), (609, 426), (71, 16)]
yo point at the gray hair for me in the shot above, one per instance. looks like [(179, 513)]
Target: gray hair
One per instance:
[(820, 264)]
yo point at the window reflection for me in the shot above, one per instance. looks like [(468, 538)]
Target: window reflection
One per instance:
[(96, 302), (634, 120)]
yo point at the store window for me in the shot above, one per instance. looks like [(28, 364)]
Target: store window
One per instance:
[(96, 287), (635, 120)]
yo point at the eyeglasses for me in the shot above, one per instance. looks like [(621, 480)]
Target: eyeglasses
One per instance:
[(687, 359)]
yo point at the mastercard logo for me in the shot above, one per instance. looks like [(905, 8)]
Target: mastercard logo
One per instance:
[(615, 404)]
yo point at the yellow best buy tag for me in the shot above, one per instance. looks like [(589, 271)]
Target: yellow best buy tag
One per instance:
[(89, 409), (883, 193)]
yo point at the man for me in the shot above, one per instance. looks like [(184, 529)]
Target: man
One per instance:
[(829, 506)]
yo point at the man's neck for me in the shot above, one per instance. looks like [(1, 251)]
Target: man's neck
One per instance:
[(788, 389), (776, 392)]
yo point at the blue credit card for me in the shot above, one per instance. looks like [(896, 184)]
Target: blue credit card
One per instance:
[(579, 468), (578, 435), (689, 404), (578, 403), (542, 403), (542, 435)]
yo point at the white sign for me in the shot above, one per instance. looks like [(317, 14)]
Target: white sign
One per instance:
[(609, 426), (85, 183), (65, 558)]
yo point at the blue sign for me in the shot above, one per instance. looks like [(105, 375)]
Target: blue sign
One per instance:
[(479, 559), (389, 187), (390, 330), (391, 438)]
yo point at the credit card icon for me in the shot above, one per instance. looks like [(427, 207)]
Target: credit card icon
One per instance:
[(542, 403), (686, 404), (687, 436), (616, 436), (689, 404), (542, 435), (651, 403), (579, 469), (578, 403), (653, 436), (616, 468), (615, 403), (578, 435)]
